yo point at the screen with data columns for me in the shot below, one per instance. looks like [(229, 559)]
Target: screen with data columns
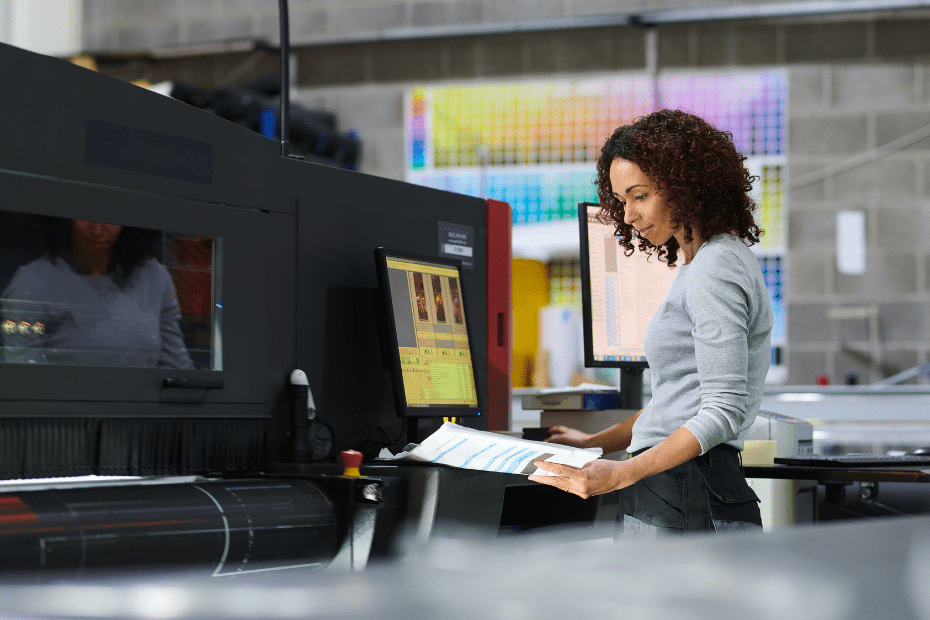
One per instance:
[(431, 335), (620, 294)]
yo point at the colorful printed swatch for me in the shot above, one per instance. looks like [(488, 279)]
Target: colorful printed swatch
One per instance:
[(534, 145), (557, 122), (535, 195), (565, 282)]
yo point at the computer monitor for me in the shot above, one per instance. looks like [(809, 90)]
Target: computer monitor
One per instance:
[(619, 296), (426, 336)]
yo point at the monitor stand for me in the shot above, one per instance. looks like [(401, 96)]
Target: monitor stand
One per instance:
[(412, 429), (631, 388), (419, 429), (409, 435)]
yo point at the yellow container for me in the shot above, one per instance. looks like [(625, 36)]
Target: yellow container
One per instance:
[(530, 293)]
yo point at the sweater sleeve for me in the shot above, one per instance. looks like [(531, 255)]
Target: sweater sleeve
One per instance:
[(174, 353), (718, 302)]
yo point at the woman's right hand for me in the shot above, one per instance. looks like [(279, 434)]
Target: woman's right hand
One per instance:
[(569, 437)]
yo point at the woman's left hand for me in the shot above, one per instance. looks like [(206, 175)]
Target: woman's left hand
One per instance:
[(602, 476), (595, 478)]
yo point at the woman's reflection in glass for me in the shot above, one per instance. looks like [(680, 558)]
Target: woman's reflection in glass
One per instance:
[(97, 297)]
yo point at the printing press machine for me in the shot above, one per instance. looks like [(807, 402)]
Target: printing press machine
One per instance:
[(126, 464)]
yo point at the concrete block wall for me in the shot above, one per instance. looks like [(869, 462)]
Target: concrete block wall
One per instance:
[(837, 112), (857, 83), (144, 24)]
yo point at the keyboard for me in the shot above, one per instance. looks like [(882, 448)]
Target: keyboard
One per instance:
[(854, 460)]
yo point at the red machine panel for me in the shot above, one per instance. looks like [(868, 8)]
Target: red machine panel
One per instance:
[(500, 305)]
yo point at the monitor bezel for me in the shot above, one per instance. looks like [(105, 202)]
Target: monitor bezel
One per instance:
[(390, 347), (587, 322)]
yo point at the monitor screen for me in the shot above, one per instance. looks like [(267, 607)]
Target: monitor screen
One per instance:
[(427, 335), (619, 293)]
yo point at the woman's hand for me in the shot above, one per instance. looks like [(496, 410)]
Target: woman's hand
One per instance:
[(602, 476), (595, 478), (569, 437)]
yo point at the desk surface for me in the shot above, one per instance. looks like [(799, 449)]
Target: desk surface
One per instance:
[(839, 474)]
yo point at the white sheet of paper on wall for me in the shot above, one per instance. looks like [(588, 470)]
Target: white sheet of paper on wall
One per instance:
[(850, 242)]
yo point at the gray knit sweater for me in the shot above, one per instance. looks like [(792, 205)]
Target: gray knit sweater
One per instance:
[(708, 347)]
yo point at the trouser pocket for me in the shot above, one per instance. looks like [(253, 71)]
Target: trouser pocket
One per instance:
[(732, 504), (653, 503)]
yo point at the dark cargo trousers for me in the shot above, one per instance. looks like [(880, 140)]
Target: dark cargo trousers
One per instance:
[(706, 494)]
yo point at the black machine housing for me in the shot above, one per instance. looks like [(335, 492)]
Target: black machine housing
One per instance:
[(297, 279), (298, 291)]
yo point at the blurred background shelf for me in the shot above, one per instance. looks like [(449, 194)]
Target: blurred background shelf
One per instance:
[(546, 241)]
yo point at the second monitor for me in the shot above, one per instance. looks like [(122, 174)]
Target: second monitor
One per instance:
[(619, 296)]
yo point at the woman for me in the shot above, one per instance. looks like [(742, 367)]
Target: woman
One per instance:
[(678, 186), (97, 297)]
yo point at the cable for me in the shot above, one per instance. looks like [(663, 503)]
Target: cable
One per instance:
[(285, 74), (384, 434), (403, 429), (387, 443), (856, 514), (889, 508), (860, 159)]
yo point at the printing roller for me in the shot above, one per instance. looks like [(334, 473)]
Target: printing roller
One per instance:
[(221, 526)]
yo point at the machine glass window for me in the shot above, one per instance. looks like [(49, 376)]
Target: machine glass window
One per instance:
[(90, 293)]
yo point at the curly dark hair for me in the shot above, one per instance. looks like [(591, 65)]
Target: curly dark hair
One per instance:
[(133, 247), (695, 167)]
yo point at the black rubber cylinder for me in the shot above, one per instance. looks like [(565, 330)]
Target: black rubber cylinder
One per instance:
[(220, 527)]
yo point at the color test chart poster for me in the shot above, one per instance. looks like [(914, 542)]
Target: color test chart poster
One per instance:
[(534, 144)]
